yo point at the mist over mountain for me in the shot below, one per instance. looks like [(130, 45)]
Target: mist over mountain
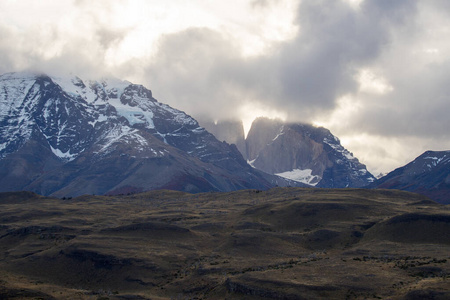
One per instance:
[(66, 136), (231, 131)]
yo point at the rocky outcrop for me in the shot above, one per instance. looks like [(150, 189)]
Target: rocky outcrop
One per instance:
[(305, 153), (284, 149)]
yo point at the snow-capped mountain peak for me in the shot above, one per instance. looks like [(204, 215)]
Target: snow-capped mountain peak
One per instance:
[(65, 108), (97, 136)]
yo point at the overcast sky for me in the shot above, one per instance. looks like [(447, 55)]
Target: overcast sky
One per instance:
[(374, 72)]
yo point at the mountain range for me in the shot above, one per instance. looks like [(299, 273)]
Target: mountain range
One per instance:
[(64, 136), (300, 152), (314, 156), (67, 137)]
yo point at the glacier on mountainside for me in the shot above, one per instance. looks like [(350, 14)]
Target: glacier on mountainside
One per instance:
[(303, 176)]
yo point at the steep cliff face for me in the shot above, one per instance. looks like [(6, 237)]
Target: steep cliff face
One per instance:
[(284, 149), (68, 136), (304, 153)]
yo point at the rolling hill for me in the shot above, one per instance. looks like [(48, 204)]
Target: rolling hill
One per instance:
[(284, 243)]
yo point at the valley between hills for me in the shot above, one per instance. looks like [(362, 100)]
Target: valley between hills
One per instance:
[(283, 243)]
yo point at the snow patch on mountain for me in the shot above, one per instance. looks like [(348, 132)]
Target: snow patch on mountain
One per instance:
[(252, 162), (179, 116), (336, 145), (199, 130), (75, 87), (100, 118), (89, 91), (115, 87), (122, 134), (303, 176), (18, 98), (279, 134), (431, 162), (14, 89), (63, 155), (134, 115), (437, 160)]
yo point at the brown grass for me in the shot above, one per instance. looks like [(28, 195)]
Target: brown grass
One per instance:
[(285, 243)]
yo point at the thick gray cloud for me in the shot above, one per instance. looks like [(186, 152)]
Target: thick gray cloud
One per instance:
[(195, 70), (420, 106), (303, 76), (419, 75), (73, 39), (204, 73), (402, 44)]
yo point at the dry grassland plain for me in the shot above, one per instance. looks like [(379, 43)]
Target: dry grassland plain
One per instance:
[(284, 243)]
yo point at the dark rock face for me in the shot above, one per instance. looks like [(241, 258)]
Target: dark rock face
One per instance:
[(289, 148), (299, 152), (312, 154), (428, 174), (66, 136)]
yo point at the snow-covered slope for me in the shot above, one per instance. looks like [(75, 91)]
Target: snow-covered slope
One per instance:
[(305, 176), (65, 134)]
